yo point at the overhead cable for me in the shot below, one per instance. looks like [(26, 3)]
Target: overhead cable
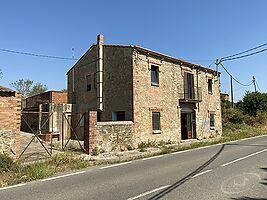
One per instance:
[(235, 78), (37, 55), (246, 55), (245, 51)]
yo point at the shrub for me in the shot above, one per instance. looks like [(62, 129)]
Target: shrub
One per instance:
[(6, 163)]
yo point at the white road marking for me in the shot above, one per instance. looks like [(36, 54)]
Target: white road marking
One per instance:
[(177, 152), (115, 165), (12, 186), (201, 173), (66, 175), (148, 192), (148, 158), (242, 158)]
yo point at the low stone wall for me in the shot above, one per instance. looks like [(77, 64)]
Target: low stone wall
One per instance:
[(115, 136), (107, 136)]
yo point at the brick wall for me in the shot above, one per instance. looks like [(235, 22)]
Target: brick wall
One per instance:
[(56, 97), (10, 108), (59, 97)]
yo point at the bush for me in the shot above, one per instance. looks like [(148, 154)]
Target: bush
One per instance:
[(253, 103), (6, 163)]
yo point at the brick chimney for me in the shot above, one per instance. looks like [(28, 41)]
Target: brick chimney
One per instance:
[(100, 39)]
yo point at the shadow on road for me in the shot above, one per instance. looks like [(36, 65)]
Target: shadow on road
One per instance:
[(186, 178)]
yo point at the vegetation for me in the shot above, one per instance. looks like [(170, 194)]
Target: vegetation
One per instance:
[(253, 103), (14, 173), (238, 123), (28, 88)]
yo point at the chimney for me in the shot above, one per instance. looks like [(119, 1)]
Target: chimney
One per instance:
[(100, 39)]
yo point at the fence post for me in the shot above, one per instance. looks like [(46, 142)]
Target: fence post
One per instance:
[(90, 139)]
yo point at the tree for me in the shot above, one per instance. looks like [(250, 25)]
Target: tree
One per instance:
[(253, 103), (38, 88), (27, 88)]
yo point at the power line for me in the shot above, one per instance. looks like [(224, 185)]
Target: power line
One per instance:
[(37, 55), (258, 85), (246, 55), (245, 51), (235, 78)]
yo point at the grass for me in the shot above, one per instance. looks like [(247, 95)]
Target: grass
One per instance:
[(19, 173), (14, 173)]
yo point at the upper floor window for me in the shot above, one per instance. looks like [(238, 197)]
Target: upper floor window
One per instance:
[(210, 85), (154, 75), (88, 83), (189, 89)]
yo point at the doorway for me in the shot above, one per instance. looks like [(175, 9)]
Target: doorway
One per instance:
[(188, 125)]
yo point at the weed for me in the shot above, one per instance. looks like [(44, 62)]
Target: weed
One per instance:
[(95, 151), (5, 163)]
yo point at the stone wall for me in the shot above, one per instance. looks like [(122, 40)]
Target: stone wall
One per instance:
[(108, 136), (10, 108), (165, 98), (115, 136)]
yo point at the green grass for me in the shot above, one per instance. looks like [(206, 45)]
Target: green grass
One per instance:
[(19, 173)]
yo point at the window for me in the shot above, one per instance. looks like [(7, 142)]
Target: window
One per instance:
[(189, 89), (212, 121), (154, 75), (156, 122), (88, 83), (118, 116), (210, 85)]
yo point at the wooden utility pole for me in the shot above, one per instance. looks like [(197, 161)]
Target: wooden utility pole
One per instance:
[(254, 83), (232, 91)]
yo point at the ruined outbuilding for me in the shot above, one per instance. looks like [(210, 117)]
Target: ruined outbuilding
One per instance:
[(45, 113)]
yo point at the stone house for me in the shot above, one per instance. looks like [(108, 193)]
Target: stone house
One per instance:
[(10, 108), (165, 98), (44, 114)]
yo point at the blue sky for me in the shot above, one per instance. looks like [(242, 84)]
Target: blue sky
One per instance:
[(191, 30)]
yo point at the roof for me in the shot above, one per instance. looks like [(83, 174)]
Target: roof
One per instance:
[(151, 52), (4, 89)]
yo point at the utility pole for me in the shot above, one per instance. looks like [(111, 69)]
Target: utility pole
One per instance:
[(217, 69), (232, 91), (254, 83)]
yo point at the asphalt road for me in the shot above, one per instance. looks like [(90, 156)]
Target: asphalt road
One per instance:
[(236, 170)]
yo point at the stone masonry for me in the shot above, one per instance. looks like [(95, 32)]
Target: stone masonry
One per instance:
[(127, 89)]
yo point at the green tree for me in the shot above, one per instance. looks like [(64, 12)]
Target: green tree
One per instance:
[(38, 88), (28, 88), (253, 103)]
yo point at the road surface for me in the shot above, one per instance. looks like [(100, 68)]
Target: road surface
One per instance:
[(236, 170)]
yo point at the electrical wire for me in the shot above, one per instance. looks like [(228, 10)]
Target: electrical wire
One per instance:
[(37, 55), (245, 51), (235, 78), (258, 86), (246, 55)]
